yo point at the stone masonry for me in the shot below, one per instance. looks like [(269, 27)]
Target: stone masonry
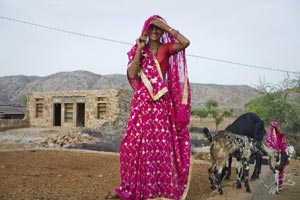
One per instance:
[(93, 109)]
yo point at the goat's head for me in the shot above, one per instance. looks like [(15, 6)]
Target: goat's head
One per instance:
[(207, 134), (290, 151)]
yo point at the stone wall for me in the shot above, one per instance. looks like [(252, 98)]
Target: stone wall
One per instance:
[(118, 126), (6, 124), (107, 109)]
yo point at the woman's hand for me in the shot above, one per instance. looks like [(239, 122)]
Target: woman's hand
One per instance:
[(183, 42), (141, 41), (160, 24), (134, 66)]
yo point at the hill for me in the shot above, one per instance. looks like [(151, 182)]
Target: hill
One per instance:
[(13, 88)]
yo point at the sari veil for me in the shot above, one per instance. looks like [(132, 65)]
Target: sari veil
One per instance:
[(177, 79), (173, 95)]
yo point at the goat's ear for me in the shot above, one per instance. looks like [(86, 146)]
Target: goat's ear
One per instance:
[(205, 130)]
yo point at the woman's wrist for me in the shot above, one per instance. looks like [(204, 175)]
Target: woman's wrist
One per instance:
[(176, 34), (135, 62), (139, 48), (173, 32), (170, 29)]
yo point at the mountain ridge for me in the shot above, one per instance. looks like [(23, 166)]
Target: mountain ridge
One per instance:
[(13, 88)]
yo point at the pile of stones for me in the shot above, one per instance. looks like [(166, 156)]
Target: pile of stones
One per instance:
[(70, 138)]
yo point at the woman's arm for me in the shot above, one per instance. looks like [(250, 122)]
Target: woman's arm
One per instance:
[(183, 42), (134, 66)]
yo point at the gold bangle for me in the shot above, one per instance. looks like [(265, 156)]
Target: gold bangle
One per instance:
[(135, 62), (177, 32)]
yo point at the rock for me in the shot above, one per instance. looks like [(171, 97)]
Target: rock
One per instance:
[(18, 140), (38, 142), (51, 145), (70, 138)]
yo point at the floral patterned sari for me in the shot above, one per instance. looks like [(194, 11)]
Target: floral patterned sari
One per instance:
[(275, 139), (155, 151)]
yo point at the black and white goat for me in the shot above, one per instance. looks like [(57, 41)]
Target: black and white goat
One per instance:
[(251, 125), (284, 160), (226, 143)]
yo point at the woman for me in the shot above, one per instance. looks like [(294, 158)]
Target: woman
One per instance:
[(155, 151), (276, 140)]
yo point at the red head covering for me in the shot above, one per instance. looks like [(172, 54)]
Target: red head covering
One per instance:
[(275, 138), (275, 124), (176, 80)]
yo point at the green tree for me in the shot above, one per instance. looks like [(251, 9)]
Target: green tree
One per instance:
[(202, 113), (219, 115), (212, 111), (211, 103), (279, 102), (22, 100)]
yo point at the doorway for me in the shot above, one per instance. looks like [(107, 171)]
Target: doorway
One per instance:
[(80, 115), (57, 114)]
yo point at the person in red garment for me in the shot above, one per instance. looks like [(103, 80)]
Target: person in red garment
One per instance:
[(276, 140), (155, 150)]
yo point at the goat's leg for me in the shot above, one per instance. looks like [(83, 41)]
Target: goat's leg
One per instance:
[(246, 174), (277, 181), (257, 167), (211, 170), (239, 173), (219, 179), (228, 174), (254, 159), (259, 163)]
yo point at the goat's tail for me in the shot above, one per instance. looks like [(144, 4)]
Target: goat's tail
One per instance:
[(207, 134)]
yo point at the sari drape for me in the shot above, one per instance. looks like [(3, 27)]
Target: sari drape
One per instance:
[(275, 139), (155, 150)]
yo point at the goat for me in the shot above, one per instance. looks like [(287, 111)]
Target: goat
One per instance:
[(251, 125), (284, 159), (226, 143)]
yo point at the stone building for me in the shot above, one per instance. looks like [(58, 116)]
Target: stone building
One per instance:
[(12, 117), (93, 109), (12, 112)]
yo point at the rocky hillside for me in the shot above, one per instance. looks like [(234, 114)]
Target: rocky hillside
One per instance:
[(13, 88), (227, 96)]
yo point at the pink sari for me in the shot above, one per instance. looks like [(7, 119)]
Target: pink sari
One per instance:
[(155, 151), (275, 139)]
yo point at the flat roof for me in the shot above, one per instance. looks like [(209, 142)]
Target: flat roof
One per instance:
[(12, 110)]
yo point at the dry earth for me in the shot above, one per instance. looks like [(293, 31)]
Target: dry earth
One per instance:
[(41, 173), (291, 185)]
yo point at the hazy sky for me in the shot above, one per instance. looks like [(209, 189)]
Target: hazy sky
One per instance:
[(264, 33)]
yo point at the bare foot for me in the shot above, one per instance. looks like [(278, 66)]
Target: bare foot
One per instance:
[(112, 195)]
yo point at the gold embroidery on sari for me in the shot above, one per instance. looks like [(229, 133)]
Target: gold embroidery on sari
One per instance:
[(158, 68), (148, 83), (188, 183), (185, 89), (184, 195), (149, 87)]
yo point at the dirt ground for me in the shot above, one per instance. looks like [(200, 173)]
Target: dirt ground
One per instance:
[(60, 174), (71, 175), (291, 184)]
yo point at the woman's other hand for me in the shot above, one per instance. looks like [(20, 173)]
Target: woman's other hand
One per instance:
[(141, 41), (160, 24)]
